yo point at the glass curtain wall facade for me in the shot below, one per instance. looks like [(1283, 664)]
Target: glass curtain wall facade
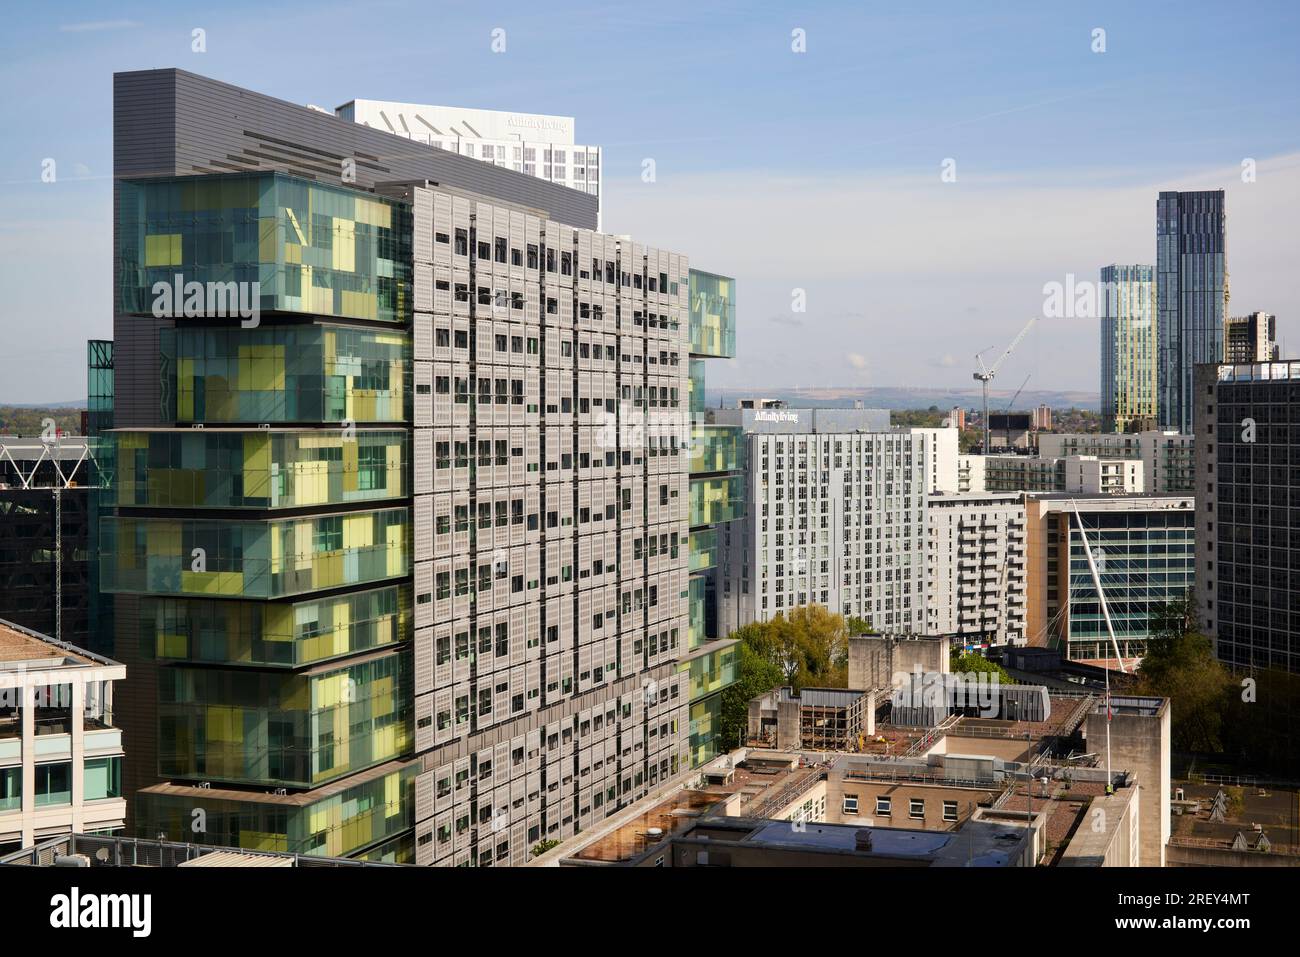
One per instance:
[(1128, 346), (1191, 296), (1145, 559), (262, 534), (717, 463)]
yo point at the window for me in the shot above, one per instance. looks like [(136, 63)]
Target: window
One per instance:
[(883, 805), (11, 789), (103, 778), (53, 784), (950, 810), (916, 809), (850, 804)]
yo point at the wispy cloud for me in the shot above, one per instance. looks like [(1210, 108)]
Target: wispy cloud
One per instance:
[(95, 26), (919, 275)]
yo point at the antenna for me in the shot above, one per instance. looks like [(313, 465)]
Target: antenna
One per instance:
[(1110, 630)]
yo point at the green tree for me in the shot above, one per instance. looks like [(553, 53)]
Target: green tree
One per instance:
[(807, 648), (978, 664), (814, 642), (1180, 665), (755, 675)]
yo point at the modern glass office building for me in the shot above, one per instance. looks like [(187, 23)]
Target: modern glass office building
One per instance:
[(1191, 296), (1144, 549), (717, 496), (259, 541), (1248, 491), (1128, 346), (397, 561)]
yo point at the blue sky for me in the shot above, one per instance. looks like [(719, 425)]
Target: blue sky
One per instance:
[(817, 171)]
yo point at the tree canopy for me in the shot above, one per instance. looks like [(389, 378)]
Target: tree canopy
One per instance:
[(808, 648)]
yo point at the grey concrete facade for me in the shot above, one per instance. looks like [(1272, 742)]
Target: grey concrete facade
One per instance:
[(546, 697)]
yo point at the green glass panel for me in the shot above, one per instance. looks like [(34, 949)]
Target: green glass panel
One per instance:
[(704, 549), (713, 315), (283, 634), (316, 373), (711, 673), (103, 778), (717, 448), (245, 559), (367, 815), (715, 500), (252, 727), (259, 469), (309, 247), (705, 719), (695, 388)]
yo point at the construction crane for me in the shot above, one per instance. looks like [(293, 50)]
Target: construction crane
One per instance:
[(985, 375), (1011, 404)]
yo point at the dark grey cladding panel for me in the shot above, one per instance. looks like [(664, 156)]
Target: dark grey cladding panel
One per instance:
[(170, 122)]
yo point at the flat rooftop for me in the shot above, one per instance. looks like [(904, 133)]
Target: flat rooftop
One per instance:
[(18, 646), (1276, 812), (978, 843)]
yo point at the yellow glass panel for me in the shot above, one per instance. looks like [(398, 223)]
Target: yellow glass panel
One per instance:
[(393, 793), (396, 549), (350, 466), (262, 841), (301, 545), (277, 552), (257, 465), (224, 723), (344, 245), (170, 646), (204, 583), (277, 619), (358, 531), (268, 239), (361, 305), (162, 250)]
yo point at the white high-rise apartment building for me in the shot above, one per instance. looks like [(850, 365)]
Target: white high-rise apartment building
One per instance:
[(836, 519), (1166, 457), (531, 143), (975, 567)]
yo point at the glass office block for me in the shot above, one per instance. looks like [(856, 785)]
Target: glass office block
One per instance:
[(713, 315), (711, 673), (704, 549), (243, 559), (717, 448), (310, 248), (284, 634), (301, 374), (261, 469), (718, 499), (364, 815), (295, 729)]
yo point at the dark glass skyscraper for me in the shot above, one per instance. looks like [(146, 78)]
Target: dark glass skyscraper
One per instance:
[(1191, 295)]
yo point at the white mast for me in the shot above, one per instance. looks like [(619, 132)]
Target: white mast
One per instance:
[(1105, 614)]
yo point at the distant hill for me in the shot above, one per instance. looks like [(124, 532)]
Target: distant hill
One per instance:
[(908, 398)]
